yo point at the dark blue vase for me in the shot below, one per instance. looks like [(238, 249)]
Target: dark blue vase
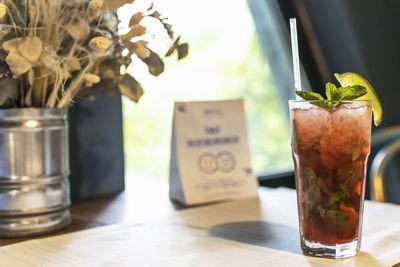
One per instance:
[(96, 147)]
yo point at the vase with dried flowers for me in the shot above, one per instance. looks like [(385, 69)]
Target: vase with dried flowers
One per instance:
[(51, 53)]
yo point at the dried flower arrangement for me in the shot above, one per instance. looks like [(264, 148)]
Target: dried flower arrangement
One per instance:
[(53, 50)]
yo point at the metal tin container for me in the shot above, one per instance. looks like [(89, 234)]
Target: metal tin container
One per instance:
[(34, 169)]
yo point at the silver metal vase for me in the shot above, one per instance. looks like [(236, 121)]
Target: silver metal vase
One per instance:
[(34, 169)]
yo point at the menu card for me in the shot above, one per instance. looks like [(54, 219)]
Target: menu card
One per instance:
[(210, 158)]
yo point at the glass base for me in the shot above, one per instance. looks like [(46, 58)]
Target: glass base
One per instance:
[(337, 251)]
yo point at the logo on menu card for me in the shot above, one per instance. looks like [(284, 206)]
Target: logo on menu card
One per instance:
[(223, 161)]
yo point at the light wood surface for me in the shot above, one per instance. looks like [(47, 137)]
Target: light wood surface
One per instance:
[(144, 198), (248, 232)]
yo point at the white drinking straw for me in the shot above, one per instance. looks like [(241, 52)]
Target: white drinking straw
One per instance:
[(295, 56)]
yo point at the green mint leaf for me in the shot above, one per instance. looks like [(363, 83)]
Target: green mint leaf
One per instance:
[(312, 191), (337, 197), (352, 92), (327, 104), (309, 95), (338, 219), (332, 92), (322, 104)]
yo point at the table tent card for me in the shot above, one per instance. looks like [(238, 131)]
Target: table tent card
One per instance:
[(210, 158)]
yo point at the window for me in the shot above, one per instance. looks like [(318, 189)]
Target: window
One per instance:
[(225, 62)]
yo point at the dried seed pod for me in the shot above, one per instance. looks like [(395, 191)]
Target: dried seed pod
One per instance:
[(94, 8), (3, 10), (91, 79), (99, 44)]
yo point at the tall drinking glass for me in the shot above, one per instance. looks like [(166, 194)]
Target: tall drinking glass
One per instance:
[(330, 149)]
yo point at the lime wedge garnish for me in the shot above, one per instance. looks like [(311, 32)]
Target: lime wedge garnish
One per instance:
[(351, 79)]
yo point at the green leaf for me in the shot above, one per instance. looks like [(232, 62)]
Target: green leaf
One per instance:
[(338, 219), (335, 93), (344, 93), (309, 95), (332, 92), (352, 92), (312, 191), (324, 104), (337, 197), (329, 87)]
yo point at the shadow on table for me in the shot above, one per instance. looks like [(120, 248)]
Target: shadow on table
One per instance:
[(260, 233)]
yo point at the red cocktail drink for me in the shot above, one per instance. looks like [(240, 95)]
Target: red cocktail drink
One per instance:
[(330, 150)]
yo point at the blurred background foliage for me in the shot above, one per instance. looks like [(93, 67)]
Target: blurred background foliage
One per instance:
[(225, 62)]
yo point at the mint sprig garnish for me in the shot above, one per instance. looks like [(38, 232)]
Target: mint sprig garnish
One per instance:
[(334, 95), (309, 95)]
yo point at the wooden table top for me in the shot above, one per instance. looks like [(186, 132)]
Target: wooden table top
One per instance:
[(143, 199), (259, 231)]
